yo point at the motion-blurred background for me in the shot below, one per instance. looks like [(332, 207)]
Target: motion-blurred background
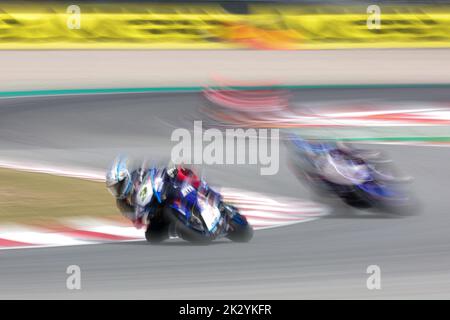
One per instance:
[(296, 42), (224, 24), (82, 81)]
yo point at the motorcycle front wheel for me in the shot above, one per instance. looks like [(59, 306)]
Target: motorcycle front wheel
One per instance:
[(240, 229)]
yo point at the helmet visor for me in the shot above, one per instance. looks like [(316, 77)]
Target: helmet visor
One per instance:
[(116, 189)]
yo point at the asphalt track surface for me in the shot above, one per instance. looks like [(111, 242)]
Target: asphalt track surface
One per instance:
[(326, 258)]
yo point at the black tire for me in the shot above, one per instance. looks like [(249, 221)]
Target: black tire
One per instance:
[(356, 201), (239, 232), (157, 231)]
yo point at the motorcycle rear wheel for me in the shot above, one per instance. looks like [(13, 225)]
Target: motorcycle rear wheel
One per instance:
[(240, 232), (157, 231)]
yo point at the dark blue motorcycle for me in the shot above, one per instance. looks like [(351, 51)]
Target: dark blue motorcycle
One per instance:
[(194, 214), (358, 177)]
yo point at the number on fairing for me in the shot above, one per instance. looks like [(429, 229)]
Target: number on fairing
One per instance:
[(186, 190), (145, 194)]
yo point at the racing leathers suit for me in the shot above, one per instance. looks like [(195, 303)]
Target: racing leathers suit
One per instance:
[(170, 176)]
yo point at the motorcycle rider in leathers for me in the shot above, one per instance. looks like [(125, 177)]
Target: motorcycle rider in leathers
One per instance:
[(123, 182)]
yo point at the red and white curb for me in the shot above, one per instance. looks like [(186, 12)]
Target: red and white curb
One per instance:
[(263, 211), (80, 173), (257, 110), (431, 143)]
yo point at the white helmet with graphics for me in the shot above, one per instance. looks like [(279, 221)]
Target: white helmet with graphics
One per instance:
[(118, 178)]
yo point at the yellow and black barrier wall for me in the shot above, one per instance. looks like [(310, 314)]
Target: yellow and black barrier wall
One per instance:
[(211, 26)]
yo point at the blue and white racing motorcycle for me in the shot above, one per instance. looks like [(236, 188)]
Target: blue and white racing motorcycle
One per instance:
[(194, 214), (359, 177)]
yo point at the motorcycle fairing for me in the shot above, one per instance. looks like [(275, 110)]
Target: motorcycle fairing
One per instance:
[(209, 211), (189, 201), (157, 182), (378, 190)]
